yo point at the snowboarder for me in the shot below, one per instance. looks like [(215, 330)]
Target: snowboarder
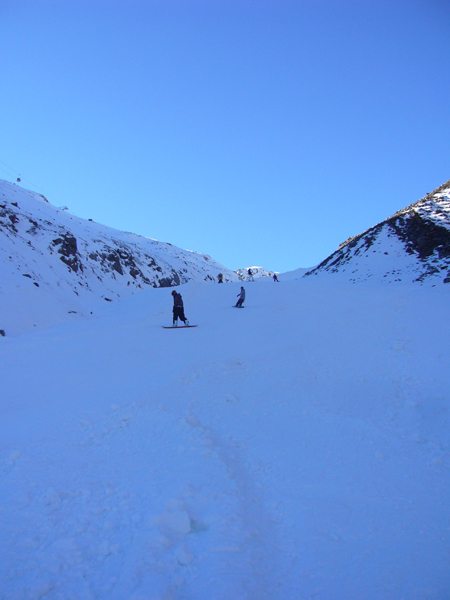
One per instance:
[(241, 298), (275, 278), (220, 278), (250, 275), (178, 309)]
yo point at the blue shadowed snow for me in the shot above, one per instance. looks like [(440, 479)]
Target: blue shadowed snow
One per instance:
[(296, 449)]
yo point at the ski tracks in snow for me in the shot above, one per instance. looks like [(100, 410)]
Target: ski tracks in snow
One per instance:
[(128, 513), (248, 542)]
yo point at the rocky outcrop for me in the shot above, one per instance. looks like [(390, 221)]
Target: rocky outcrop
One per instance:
[(67, 246)]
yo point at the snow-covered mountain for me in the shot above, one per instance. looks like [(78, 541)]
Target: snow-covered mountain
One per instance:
[(47, 252), (293, 450), (412, 245), (257, 272)]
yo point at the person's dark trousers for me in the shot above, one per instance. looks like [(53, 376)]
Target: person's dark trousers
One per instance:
[(178, 313)]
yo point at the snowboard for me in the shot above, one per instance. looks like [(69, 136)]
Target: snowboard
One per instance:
[(234, 306), (178, 327)]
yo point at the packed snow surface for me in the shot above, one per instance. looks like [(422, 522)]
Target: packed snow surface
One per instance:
[(295, 449)]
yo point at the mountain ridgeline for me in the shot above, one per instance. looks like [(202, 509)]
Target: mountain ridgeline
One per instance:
[(46, 247), (60, 251), (412, 246)]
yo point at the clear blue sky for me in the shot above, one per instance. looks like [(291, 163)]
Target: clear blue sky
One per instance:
[(259, 132)]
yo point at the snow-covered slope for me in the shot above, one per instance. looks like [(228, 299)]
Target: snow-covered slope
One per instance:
[(48, 256), (296, 449), (294, 274), (412, 245)]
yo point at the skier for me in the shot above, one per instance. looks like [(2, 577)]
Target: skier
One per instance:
[(220, 278), (275, 278), (250, 275), (241, 295), (178, 309)]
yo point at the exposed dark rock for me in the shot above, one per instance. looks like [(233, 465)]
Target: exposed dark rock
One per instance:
[(421, 235), (170, 281), (34, 226), (72, 263), (2, 332), (69, 250), (114, 261), (69, 246)]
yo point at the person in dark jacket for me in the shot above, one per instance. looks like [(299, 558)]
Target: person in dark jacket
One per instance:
[(241, 298), (178, 309)]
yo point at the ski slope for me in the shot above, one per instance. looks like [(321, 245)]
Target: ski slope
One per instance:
[(297, 449)]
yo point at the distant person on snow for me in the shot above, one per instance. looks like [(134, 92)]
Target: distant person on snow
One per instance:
[(275, 278), (220, 278), (250, 275), (241, 296), (178, 309)]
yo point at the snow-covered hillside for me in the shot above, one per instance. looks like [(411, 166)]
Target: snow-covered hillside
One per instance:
[(296, 449), (50, 256), (412, 245)]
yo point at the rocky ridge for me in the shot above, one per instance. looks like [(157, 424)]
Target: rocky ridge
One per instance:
[(56, 249), (411, 245)]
